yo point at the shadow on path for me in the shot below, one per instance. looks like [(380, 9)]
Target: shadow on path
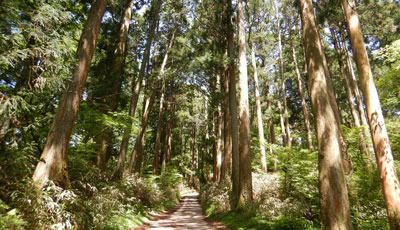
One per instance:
[(185, 215)]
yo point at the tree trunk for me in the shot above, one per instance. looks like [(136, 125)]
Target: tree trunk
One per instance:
[(233, 107), (193, 153), (139, 154), (161, 109), (208, 131), (356, 119), (52, 164), (244, 131), (335, 212), (226, 161), (263, 158), (111, 99), (270, 123), (219, 141), (136, 90), (138, 144), (217, 150), (343, 145), (286, 132), (356, 90), (380, 139), (282, 122), (168, 136), (303, 100)]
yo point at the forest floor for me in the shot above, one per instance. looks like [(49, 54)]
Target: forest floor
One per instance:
[(185, 215)]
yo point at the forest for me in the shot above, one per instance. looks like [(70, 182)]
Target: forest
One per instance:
[(279, 115)]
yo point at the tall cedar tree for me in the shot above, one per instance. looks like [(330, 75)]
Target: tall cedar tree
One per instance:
[(260, 125), (286, 129), (161, 109), (136, 89), (232, 106), (53, 164), (114, 80), (380, 139), (244, 131), (335, 212)]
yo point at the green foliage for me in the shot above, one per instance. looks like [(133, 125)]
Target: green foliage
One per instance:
[(299, 181), (365, 190), (37, 46), (126, 220), (393, 128), (367, 205), (90, 205), (215, 197), (251, 221), (10, 219), (388, 87), (275, 205)]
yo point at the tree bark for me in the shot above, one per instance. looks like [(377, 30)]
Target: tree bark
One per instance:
[(226, 161), (261, 138), (208, 131), (136, 90), (287, 140), (244, 131), (356, 90), (236, 193), (303, 100), (270, 123), (111, 99), (219, 141), (335, 212), (380, 139), (161, 109), (169, 134), (350, 96), (343, 145), (217, 152), (52, 164), (193, 149), (135, 155), (282, 123)]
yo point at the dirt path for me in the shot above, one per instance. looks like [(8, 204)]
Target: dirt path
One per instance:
[(186, 215)]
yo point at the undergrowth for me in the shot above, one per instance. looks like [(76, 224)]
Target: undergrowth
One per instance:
[(289, 199), (89, 205)]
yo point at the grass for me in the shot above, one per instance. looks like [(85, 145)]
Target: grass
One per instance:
[(245, 220), (127, 221)]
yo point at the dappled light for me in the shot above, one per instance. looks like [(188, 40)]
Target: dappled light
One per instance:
[(187, 215)]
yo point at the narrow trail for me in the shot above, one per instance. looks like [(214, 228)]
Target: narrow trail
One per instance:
[(186, 215)]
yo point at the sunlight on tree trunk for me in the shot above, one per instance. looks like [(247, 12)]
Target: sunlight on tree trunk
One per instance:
[(244, 131), (53, 161), (115, 75), (350, 96), (303, 100), (227, 155), (357, 94), (335, 211), (380, 139), (135, 155), (286, 130), (270, 123), (233, 107), (136, 91), (168, 135), (161, 109), (260, 126)]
